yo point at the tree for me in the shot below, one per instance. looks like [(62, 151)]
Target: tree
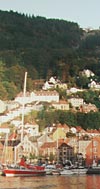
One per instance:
[(2, 70), (3, 92), (11, 89), (82, 82), (16, 74)]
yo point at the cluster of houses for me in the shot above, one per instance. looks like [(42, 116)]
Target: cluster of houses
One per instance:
[(52, 96), (57, 142)]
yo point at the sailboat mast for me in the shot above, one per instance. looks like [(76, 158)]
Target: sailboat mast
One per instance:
[(24, 95)]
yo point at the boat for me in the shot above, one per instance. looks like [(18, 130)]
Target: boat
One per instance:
[(79, 170), (55, 172), (23, 169), (3, 158), (50, 169), (66, 171), (53, 169), (94, 169)]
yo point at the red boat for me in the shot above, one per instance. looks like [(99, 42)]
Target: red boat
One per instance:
[(24, 169)]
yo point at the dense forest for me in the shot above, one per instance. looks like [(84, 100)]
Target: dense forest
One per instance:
[(44, 48)]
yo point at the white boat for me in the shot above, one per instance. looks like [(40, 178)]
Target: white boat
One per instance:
[(53, 169), (49, 169), (66, 172), (80, 170), (55, 172)]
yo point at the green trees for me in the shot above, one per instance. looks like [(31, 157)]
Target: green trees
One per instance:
[(82, 82), (44, 48), (90, 120), (36, 41)]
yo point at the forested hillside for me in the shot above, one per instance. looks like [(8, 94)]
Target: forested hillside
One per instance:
[(43, 47)]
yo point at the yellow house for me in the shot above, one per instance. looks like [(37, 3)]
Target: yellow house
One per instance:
[(60, 132)]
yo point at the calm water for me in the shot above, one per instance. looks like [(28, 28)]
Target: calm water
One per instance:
[(51, 182)]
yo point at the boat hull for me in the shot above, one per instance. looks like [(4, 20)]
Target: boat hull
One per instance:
[(66, 172), (79, 171), (94, 171), (22, 173)]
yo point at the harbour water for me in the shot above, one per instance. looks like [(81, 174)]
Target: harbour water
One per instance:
[(51, 182)]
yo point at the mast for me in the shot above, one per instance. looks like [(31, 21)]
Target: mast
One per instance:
[(57, 145), (24, 95)]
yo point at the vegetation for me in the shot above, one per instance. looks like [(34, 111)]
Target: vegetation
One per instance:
[(90, 120), (44, 47)]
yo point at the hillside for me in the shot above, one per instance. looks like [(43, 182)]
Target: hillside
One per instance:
[(43, 47), (36, 42)]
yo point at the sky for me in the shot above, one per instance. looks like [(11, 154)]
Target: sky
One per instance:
[(84, 12)]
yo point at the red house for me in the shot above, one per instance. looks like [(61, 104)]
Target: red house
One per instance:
[(93, 151)]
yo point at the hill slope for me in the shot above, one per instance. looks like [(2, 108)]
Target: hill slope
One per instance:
[(44, 47)]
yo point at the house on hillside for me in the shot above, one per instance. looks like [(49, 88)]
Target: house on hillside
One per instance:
[(8, 146), (93, 132), (38, 96), (11, 105), (26, 147), (45, 96), (61, 105), (83, 146), (87, 73), (60, 132), (32, 129), (76, 102), (65, 152), (94, 85), (2, 106), (15, 149), (85, 108), (73, 90), (93, 151), (43, 139), (48, 149)]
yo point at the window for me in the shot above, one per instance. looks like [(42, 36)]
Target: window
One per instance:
[(95, 143), (94, 150)]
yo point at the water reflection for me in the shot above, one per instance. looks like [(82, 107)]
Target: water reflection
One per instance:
[(51, 182), (93, 182)]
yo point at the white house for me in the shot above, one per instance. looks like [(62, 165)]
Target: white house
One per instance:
[(76, 102), (26, 147), (87, 73), (73, 90), (2, 106), (52, 83), (32, 129), (61, 105), (94, 85), (43, 96)]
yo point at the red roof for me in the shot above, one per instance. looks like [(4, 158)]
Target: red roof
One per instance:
[(13, 136), (92, 131)]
